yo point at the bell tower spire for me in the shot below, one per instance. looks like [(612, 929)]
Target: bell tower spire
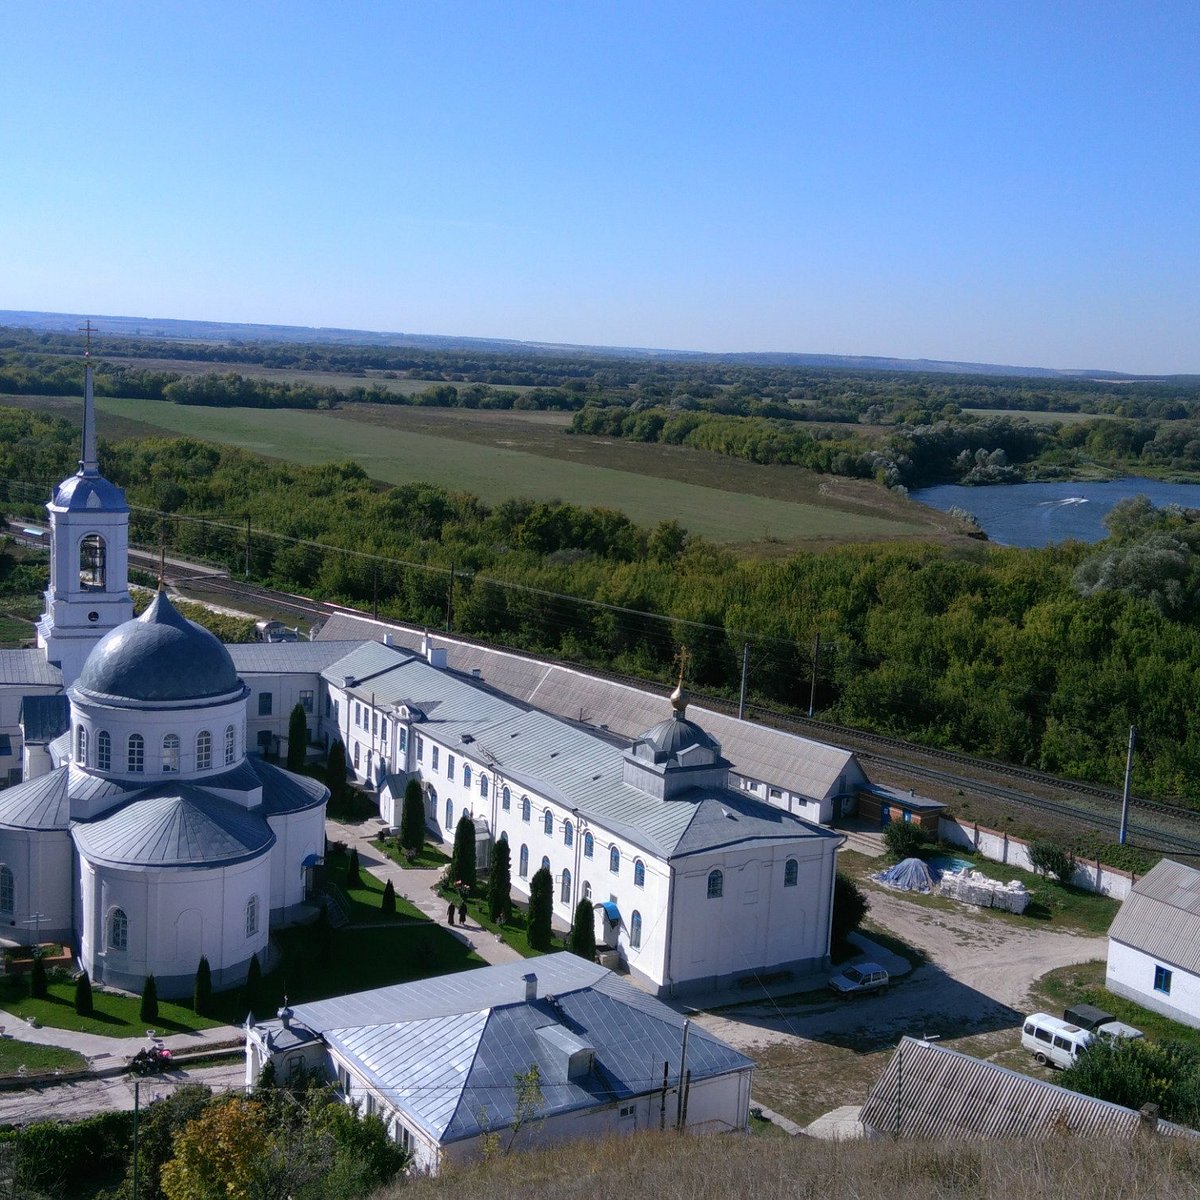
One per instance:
[(88, 464)]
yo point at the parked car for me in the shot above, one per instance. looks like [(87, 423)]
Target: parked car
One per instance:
[(1053, 1041), (1096, 1020), (858, 979)]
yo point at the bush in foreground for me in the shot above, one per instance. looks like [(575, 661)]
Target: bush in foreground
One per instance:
[(905, 840)]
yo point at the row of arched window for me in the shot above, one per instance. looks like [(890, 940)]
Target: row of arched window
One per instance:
[(118, 921), (135, 750), (716, 879)]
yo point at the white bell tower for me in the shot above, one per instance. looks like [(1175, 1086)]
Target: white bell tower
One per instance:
[(89, 555)]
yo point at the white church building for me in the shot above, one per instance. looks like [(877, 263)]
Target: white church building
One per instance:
[(148, 829)]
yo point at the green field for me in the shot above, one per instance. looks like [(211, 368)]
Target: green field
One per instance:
[(495, 469), (1043, 418)]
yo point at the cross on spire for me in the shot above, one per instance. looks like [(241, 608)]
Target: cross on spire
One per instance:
[(87, 462)]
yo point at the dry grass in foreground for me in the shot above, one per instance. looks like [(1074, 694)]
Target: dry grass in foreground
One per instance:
[(668, 1168)]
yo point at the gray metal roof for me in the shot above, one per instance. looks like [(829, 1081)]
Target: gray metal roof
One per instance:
[(174, 825), (89, 492), (284, 792), (160, 655), (907, 799), (29, 667), (41, 803), (366, 661), (933, 1092), (273, 658), (802, 765), (43, 718), (1161, 915), (453, 1069)]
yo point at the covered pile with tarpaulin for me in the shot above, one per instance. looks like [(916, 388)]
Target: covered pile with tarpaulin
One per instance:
[(908, 875), (973, 887)]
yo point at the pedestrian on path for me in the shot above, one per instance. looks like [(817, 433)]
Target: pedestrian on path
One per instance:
[(450, 912), (462, 912)]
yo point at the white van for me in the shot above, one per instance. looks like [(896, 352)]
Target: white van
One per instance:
[(1053, 1040)]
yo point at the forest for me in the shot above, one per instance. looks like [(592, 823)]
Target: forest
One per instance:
[(1039, 657)]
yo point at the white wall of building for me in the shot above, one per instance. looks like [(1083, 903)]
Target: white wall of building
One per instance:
[(297, 835), (1131, 974), (41, 864)]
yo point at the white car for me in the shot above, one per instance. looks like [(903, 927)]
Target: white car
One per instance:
[(860, 978)]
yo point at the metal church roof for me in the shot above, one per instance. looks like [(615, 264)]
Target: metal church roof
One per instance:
[(41, 803), (284, 792), (1161, 915), (268, 658), (932, 1092), (175, 824), (43, 718), (28, 667)]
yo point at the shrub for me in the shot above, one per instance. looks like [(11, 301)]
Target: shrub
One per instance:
[(353, 877), (335, 770), (297, 739), (462, 859), (83, 995), (904, 839), (1047, 858), (37, 977), (412, 817), (850, 905), (583, 931), (541, 909), (388, 903), (149, 1009), (202, 991), (500, 882)]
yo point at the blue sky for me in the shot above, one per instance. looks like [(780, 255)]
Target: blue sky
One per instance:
[(1009, 182)]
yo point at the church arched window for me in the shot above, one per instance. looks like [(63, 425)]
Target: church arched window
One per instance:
[(170, 759), (587, 890), (118, 930), (716, 885), (526, 810), (635, 930), (252, 916), (81, 746), (449, 813), (545, 862), (8, 890), (523, 868), (92, 563), (230, 745), (614, 861), (568, 833), (548, 823), (791, 873), (104, 750), (136, 760), (466, 774), (565, 894), (589, 845), (639, 873), (203, 750), (483, 785)]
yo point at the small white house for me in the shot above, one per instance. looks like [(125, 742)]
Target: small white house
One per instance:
[(1154, 943), (438, 1059)]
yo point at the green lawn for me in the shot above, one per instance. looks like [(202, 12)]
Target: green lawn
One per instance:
[(34, 1058), (115, 1016), (1067, 908), (429, 857), (496, 473), (1084, 984), (366, 898), (514, 931)]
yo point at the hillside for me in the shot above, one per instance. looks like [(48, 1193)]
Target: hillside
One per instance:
[(670, 1168)]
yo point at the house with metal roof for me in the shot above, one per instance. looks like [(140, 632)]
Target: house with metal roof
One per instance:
[(1154, 943), (934, 1093), (539, 1051)]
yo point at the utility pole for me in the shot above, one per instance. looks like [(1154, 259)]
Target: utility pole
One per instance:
[(136, 1099), (450, 597), (687, 1027), (745, 675), (375, 590), (247, 545), (1125, 797), (812, 692)]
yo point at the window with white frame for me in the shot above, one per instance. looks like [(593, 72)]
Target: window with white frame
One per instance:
[(716, 885), (306, 699), (252, 916), (587, 890), (420, 747), (526, 809), (639, 873), (118, 930), (614, 860), (589, 845), (203, 750), (523, 861), (548, 823), (483, 785), (565, 894), (433, 757), (449, 766), (81, 746), (635, 929), (466, 775), (791, 873), (230, 745), (170, 753), (568, 833), (104, 750), (403, 735), (449, 814), (545, 862), (136, 754), (8, 890)]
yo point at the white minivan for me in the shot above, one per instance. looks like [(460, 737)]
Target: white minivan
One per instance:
[(1053, 1040)]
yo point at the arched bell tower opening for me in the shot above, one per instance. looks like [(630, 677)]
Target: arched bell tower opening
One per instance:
[(93, 563)]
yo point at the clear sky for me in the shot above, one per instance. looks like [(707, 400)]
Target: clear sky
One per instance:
[(1003, 182)]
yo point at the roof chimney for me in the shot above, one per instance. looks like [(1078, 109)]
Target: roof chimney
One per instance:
[(530, 987), (1148, 1118), (387, 639)]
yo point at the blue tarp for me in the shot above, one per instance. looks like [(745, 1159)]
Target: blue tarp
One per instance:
[(911, 875)]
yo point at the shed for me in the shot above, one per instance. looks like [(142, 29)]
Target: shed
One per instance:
[(880, 803)]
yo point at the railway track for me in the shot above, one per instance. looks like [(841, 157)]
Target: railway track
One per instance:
[(1155, 825)]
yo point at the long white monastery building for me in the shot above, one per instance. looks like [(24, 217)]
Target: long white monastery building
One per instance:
[(148, 829)]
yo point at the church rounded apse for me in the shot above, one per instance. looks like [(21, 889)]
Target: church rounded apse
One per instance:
[(155, 840)]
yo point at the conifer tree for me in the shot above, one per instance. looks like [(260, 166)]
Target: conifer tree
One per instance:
[(462, 859), (202, 991), (149, 1009), (353, 873), (253, 983), (500, 882), (335, 770), (297, 739), (412, 818), (37, 976), (388, 903), (83, 995), (583, 932), (541, 909)]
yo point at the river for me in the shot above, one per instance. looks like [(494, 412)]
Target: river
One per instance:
[(1038, 514)]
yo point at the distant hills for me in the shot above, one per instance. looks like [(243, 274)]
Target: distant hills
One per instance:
[(228, 331)]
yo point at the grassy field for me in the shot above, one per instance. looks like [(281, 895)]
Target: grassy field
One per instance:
[(114, 1016), (36, 1058), (1043, 418), (457, 456)]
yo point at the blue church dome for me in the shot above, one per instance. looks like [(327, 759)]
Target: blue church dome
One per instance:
[(86, 492), (160, 655)]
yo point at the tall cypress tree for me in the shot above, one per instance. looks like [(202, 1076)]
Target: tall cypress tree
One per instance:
[(297, 739), (412, 817), (462, 859), (83, 995), (202, 991), (253, 983), (335, 770), (149, 1009), (541, 909), (583, 932), (500, 881), (37, 976)]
